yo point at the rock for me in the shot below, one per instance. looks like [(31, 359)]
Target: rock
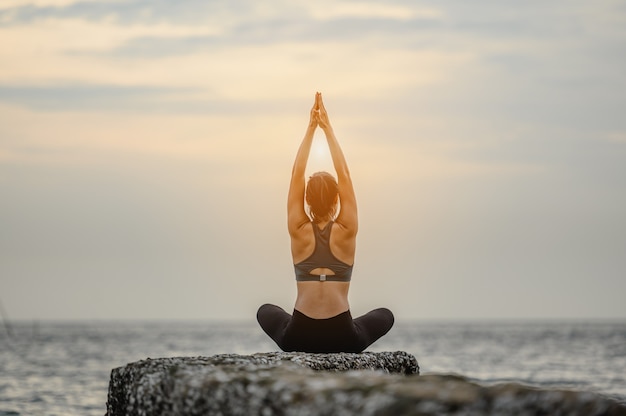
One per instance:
[(326, 384)]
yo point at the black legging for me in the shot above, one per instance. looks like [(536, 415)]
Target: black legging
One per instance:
[(340, 333)]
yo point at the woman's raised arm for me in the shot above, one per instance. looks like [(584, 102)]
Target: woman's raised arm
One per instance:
[(348, 217), (296, 214)]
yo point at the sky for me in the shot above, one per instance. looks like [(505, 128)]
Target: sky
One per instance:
[(146, 148)]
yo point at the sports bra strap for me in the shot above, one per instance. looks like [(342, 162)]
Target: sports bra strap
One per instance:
[(321, 278)]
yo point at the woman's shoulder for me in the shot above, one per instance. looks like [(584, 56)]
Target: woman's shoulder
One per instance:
[(297, 228), (347, 230)]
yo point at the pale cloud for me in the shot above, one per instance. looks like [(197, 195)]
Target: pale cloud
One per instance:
[(403, 165), (617, 137), (9, 4), (180, 137), (50, 49), (334, 10), (80, 51), (84, 52), (243, 72)]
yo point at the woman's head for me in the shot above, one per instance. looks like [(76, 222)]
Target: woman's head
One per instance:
[(322, 195)]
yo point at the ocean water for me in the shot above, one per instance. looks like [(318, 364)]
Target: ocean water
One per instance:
[(63, 368)]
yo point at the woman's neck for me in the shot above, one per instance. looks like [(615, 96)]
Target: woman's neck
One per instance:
[(322, 221)]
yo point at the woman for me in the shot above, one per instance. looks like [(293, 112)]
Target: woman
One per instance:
[(322, 247)]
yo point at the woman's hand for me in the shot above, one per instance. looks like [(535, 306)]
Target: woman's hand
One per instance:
[(314, 118), (322, 115)]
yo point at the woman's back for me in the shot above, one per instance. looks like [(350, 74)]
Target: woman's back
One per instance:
[(328, 297)]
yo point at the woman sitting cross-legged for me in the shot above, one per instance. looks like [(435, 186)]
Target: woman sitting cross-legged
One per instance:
[(323, 248)]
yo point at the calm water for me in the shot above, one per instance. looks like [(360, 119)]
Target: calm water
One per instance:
[(63, 368)]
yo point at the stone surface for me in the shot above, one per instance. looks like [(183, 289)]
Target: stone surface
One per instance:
[(326, 384)]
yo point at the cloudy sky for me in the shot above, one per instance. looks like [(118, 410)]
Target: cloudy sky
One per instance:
[(146, 147)]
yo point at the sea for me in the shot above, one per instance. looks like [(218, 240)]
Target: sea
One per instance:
[(63, 368)]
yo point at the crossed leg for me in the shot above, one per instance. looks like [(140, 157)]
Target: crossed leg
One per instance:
[(373, 325), (273, 319)]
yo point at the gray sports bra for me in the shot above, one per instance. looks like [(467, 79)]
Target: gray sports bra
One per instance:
[(322, 257)]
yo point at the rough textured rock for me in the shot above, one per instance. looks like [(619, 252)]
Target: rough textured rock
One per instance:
[(325, 384)]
